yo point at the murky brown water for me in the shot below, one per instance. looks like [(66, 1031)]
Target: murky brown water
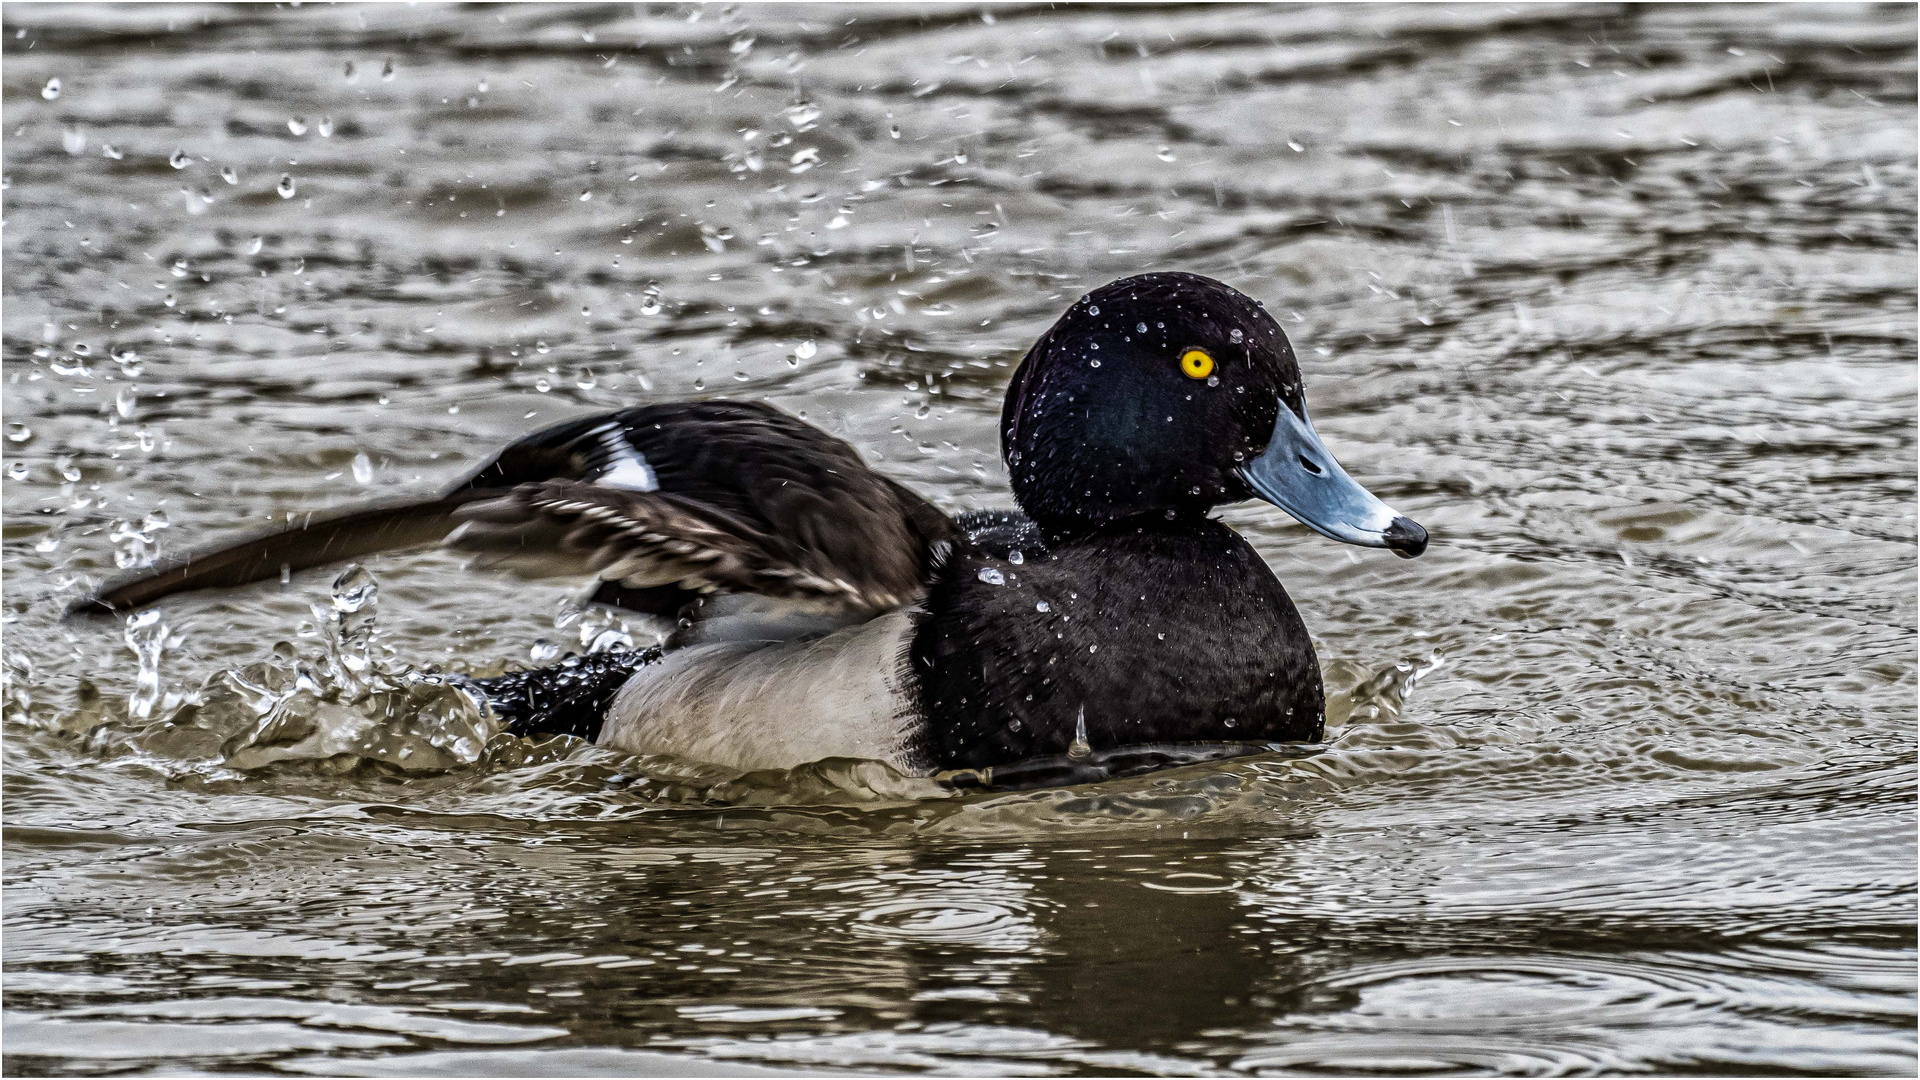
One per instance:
[(1619, 303)]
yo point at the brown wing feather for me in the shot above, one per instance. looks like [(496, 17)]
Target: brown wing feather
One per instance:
[(645, 539), (745, 498)]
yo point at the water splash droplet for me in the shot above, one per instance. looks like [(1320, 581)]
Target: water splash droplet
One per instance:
[(52, 89), (228, 174), (543, 650), (297, 125), (326, 127), (1080, 747), (146, 635), (254, 245), (362, 469), (180, 160), (18, 432), (286, 187), (354, 589)]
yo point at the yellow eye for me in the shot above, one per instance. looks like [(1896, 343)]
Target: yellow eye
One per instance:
[(1196, 363)]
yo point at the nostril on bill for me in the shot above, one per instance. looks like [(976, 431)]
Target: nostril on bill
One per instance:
[(1309, 464)]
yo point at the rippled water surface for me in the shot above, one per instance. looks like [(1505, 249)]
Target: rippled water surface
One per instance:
[(1619, 303)]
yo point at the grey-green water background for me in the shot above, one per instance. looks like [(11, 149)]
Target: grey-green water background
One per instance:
[(1620, 302)]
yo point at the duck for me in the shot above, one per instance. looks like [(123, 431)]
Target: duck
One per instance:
[(820, 609)]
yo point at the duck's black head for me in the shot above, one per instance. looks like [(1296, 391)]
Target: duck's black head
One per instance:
[(1173, 393)]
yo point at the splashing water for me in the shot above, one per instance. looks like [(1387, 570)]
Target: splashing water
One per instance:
[(146, 635)]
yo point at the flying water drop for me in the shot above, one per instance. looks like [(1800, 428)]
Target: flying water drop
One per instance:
[(362, 469), (52, 89), (179, 160), (286, 188)]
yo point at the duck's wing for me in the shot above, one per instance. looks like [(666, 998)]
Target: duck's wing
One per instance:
[(664, 503)]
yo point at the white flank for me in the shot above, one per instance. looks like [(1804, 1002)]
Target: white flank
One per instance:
[(753, 705)]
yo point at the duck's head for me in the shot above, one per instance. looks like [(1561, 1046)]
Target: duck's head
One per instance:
[(1174, 393)]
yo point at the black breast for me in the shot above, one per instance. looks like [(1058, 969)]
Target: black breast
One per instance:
[(1160, 631)]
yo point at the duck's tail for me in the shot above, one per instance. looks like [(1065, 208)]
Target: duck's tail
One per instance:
[(569, 698), (313, 542)]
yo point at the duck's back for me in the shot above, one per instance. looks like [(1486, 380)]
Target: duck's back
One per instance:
[(1153, 631)]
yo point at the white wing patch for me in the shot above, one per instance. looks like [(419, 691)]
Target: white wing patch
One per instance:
[(629, 468)]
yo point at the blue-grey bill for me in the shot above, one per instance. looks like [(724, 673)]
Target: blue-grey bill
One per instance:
[(1298, 475)]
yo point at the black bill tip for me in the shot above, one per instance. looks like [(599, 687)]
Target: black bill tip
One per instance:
[(1405, 537)]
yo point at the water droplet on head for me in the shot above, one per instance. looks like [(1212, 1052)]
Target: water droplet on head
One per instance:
[(1093, 309), (1017, 557), (992, 576), (1236, 336)]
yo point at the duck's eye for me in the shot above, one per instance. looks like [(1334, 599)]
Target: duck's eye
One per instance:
[(1196, 363)]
